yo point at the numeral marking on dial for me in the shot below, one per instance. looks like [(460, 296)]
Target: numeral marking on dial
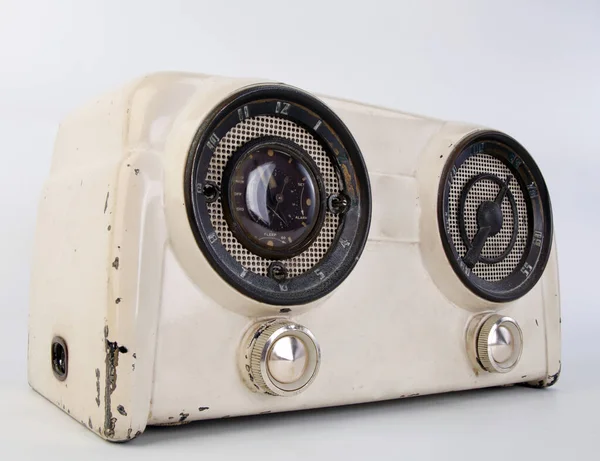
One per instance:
[(213, 141), (533, 190), (282, 108), (212, 237), (320, 274), (538, 238), (317, 125), (283, 287), (526, 269), (515, 160), (243, 113), (199, 188), (344, 243), (453, 172), (466, 269)]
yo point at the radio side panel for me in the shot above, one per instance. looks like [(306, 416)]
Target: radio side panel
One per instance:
[(98, 256), (71, 266)]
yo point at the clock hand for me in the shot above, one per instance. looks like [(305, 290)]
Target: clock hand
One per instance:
[(270, 194), (280, 195), (301, 201), (274, 211), (472, 256)]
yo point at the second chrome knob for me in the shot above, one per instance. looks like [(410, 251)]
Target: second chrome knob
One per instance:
[(281, 358), (499, 344)]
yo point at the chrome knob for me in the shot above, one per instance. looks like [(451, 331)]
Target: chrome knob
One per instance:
[(499, 344), (287, 359), (283, 358)]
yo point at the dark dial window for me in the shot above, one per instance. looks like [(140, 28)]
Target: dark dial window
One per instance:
[(273, 198)]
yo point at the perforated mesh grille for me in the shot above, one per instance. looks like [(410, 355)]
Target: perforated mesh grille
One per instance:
[(272, 126), (481, 191)]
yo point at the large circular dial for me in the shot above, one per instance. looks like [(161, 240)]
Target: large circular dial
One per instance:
[(495, 216), (273, 197), (277, 195)]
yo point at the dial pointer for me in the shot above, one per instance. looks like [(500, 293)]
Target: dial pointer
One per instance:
[(474, 252), (503, 190), (489, 220), (278, 215)]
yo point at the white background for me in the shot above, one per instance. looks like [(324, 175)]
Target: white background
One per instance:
[(529, 68)]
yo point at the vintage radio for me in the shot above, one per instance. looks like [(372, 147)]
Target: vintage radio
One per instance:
[(211, 247)]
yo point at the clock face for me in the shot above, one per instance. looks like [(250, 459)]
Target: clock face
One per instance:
[(273, 200), (495, 217)]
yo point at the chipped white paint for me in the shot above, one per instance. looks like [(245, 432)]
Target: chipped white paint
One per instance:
[(154, 333)]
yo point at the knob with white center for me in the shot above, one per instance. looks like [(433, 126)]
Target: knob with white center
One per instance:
[(283, 358)]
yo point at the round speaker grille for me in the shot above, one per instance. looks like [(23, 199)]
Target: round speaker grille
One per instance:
[(495, 216), (487, 190), (240, 134)]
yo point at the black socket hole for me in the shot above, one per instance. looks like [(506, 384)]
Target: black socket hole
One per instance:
[(338, 203), (210, 191), (60, 358), (278, 272)]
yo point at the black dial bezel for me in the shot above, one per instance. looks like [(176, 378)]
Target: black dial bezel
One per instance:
[(295, 151), (526, 172), (321, 122)]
